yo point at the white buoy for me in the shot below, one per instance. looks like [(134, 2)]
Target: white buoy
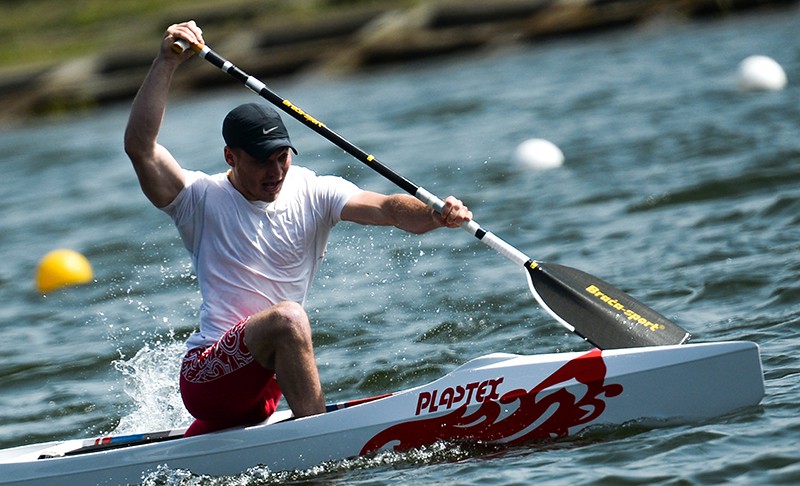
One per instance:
[(761, 73), (538, 154)]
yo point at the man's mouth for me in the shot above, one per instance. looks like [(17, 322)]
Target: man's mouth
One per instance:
[(272, 186)]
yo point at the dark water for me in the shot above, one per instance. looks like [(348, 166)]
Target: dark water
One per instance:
[(677, 187)]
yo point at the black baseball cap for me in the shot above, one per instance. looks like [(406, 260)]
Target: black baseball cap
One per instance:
[(257, 129)]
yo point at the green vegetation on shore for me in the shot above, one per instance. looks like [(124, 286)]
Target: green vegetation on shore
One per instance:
[(63, 56), (47, 31)]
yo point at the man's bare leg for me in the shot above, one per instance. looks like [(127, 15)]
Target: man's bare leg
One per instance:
[(280, 339)]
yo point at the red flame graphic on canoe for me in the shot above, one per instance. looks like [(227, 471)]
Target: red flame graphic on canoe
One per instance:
[(518, 427)]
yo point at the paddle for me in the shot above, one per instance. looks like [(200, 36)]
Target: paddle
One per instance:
[(109, 442), (595, 310)]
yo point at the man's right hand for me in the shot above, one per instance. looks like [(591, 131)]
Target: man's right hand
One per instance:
[(187, 31)]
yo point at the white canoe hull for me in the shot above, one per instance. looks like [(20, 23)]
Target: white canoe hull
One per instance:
[(499, 398)]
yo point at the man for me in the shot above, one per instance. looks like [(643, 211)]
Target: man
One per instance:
[(256, 234)]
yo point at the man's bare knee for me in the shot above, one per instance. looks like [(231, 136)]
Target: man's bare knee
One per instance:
[(284, 326), (288, 321), (291, 312)]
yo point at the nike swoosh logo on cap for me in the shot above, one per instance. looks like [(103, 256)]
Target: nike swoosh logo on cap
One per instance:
[(266, 131)]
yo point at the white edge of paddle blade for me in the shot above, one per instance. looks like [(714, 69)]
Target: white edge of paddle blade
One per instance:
[(545, 306)]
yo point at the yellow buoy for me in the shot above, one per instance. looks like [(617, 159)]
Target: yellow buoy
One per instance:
[(62, 268)]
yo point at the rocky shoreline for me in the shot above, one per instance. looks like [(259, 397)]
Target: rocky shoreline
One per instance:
[(342, 42)]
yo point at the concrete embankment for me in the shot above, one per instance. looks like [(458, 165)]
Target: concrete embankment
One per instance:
[(342, 42)]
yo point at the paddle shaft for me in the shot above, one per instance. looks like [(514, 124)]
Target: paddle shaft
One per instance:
[(120, 441), (489, 239)]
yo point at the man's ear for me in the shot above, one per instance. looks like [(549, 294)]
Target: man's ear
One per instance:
[(230, 156)]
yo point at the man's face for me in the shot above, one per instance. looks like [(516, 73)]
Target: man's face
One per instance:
[(258, 180)]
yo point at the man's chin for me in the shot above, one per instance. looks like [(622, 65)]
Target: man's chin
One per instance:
[(268, 197)]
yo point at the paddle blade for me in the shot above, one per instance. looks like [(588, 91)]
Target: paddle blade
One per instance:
[(597, 311)]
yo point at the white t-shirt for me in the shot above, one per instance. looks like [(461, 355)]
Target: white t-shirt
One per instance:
[(250, 255)]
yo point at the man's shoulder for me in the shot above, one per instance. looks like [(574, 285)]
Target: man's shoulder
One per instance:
[(200, 178), (199, 185), (300, 172), (311, 178), (303, 179)]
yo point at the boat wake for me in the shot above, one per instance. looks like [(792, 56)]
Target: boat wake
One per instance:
[(439, 452)]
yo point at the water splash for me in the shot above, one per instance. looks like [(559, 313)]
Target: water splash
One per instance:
[(151, 381)]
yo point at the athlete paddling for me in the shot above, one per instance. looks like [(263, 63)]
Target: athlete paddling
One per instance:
[(256, 235)]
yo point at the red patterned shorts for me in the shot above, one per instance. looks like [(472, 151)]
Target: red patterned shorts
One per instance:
[(223, 386)]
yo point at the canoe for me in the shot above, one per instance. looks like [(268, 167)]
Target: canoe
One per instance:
[(494, 399)]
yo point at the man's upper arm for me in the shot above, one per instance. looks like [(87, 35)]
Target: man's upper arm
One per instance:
[(367, 207), (160, 176)]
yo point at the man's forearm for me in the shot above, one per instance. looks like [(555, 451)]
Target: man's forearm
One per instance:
[(404, 211), (412, 215)]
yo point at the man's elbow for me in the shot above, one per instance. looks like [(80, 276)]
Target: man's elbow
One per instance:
[(132, 149), (136, 151)]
